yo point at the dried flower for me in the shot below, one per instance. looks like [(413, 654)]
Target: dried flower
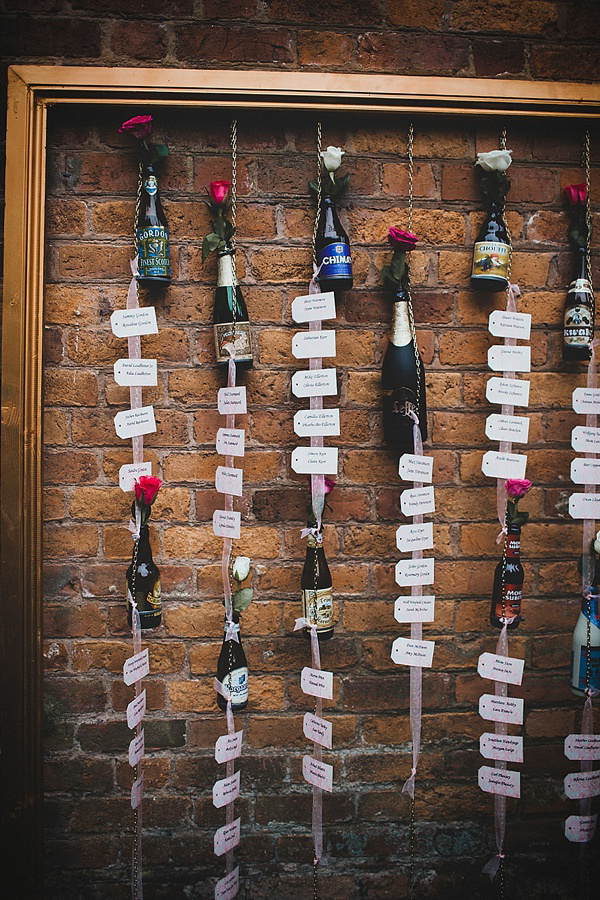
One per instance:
[(139, 127), (494, 160)]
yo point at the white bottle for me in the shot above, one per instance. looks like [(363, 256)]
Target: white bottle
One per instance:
[(578, 677)]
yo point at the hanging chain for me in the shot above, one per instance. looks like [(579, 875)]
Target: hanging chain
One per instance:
[(233, 136), (411, 876), (588, 217), (319, 193), (508, 234), (413, 332), (410, 143)]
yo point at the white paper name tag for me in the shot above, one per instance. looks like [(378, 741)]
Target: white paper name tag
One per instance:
[(582, 746), (313, 307), (129, 474), (415, 609), (317, 773), (136, 667), (226, 790), (580, 829), (315, 460), (510, 324), (228, 746), (228, 887), (136, 749), (311, 344), (417, 502), (503, 465), (232, 401), (413, 653), (227, 837), (509, 359), (586, 400), (580, 785), (414, 537), (585, 471), (501, 668), (499, 781), (133, 322), (507, 428), (501, 709), (508, 391), (133, 422), (322, 422), (585, 440), (317, 682), (230, 441), (227, 523), (229, 481), (414, 571), (132, 372), (315, 383), (507, 747), (415, 468), (136, 710), (584, 506), (318, 730), (137, 791)]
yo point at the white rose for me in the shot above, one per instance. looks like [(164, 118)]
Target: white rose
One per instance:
[(332, 158), (494, 161), (597, 543), (241, 567)]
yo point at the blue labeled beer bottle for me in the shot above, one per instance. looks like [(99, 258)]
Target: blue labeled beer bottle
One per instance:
[(333, 250)]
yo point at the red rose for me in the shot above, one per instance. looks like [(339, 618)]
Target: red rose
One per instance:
[(218, 191), (146, 489), (575, 193), (517, 487), (402, 240), (329, 484), (139, 127)]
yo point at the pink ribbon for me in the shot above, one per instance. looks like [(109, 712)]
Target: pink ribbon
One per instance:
[(506, 446), (501, 728), (589, 525), (317, 482)]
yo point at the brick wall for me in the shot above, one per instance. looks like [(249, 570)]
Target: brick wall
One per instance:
[(91, 186)]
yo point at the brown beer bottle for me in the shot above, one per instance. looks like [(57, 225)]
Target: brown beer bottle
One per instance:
[(317, 594), (513, 583)]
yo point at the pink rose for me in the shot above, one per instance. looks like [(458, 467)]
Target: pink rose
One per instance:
[(575, 193), (518, 487), (329, 485), (403, 240), (218, 191), (139, 127), (146, 489)]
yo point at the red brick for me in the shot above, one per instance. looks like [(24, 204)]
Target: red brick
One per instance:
[(412, 54), (531, 17), (195, 43), (138, 40), (494, 57)]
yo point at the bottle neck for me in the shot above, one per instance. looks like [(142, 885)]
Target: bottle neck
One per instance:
[(401, 330), (328, 220), (582, 266), (513, 542), (225, 270)]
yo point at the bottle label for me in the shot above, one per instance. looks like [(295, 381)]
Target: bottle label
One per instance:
[(151, 185), (318, 610), (225, 270), (237, 683), (512, 603), (401, 401), (148, 604), (578, 331), (594, 666), (401, 333), (580, 286), (335, 261), (490, 259), (591, 610), (240, 337), (513, 547), (153, 252)]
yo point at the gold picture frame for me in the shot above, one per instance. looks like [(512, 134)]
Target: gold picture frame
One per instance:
[(31, 91)]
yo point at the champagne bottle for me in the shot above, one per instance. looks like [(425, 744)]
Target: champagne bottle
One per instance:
[(399, 380), (316, 584), (491, 252), (152, 234), (227, 299), (579, 652), (333, 250), (513, 583), (578, 330), (232, 670), (147, 583)]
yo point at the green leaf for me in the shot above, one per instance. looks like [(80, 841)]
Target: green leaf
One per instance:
[(242, 599), (229, 230), (161, 150), (210, 244), (520, 519), (313, 186)]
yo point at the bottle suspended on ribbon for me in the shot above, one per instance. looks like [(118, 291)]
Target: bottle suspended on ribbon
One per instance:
[(507, 592), (491, 253), (579, 651), (232, 670), (152, 234), (402, 381), (147, 583), (230, 315), (333, 249), (578, 329), (317, 589)]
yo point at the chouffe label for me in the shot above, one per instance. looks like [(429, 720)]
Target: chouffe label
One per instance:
[(318, 608), (239, 336), (335, 261), (490, 259), (153, 252), (237, 683)]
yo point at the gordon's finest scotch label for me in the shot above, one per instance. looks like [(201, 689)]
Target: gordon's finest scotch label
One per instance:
[(154, 258), (335, 261), (240, 337), (318, 608), (490, 259)]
